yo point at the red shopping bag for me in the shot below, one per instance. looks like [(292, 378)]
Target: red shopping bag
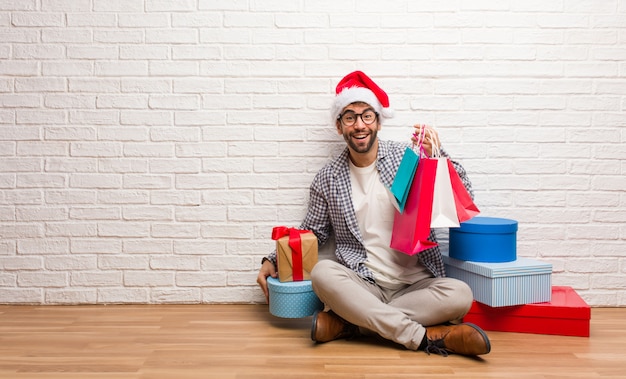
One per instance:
[(411, 228), (465, 207)]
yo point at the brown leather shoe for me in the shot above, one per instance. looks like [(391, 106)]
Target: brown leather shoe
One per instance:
[(327, 326), (464, 339)]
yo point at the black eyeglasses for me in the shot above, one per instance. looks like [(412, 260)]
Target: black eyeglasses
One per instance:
[(348, 118)]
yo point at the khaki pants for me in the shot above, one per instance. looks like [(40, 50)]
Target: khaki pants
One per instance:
[(400, 316)]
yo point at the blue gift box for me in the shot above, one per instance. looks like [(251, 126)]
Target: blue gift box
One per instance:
[(292, 299), (484, 239), (523, 281)]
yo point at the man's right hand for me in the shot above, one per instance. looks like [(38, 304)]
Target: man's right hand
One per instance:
[(267, 269), (430, 138)]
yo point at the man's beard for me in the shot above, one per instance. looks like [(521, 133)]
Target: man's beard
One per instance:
[(360, 148)]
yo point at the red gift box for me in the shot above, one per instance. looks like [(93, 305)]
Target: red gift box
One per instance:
[(566, 314)]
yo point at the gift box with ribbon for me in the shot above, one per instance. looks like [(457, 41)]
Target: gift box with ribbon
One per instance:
[(296, 253)]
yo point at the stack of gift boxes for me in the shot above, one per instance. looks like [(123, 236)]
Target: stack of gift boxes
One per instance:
[(291, 294), (511, 294)]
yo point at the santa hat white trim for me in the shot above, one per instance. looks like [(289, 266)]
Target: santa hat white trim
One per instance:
[(353, 95)]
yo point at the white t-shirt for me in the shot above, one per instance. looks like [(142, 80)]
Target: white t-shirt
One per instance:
[(374, 212)]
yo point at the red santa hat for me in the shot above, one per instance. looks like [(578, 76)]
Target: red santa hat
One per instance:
[(358, 87)]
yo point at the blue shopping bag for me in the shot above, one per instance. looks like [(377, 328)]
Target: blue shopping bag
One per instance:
[(404, 178)]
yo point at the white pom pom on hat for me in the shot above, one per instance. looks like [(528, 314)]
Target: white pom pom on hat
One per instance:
[(358, 87)]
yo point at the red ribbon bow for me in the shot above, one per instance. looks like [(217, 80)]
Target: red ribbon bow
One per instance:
[(295, 243)]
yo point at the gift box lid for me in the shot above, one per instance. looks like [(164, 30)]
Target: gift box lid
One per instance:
[(289, 287), (487, 225), (564, 304), (519, 267)]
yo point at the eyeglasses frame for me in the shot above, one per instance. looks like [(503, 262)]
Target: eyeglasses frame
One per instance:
[(357, 116)]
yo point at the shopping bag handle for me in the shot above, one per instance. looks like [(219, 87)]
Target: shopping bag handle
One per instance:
[(420, 137)]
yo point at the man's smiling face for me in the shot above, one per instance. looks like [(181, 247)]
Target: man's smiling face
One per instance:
[(359, 137)]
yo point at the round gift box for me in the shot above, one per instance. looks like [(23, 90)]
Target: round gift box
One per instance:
[(485, 239), (292, 299)]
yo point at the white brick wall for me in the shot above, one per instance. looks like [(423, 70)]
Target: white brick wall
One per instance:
[(147, 147)]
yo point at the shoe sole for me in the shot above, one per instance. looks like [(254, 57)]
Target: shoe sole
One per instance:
[(482, 333)]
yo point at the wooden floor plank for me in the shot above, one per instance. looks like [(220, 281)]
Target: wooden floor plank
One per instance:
[(245, 341)]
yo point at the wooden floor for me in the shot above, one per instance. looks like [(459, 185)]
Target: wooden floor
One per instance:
[(245, 341)]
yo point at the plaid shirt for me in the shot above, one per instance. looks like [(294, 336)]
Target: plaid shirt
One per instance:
[(331, 211)]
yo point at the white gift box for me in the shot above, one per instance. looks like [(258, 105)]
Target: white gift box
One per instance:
[(522, 281)]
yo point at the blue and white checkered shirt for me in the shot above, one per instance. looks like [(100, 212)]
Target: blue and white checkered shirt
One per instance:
[(331, 211)]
